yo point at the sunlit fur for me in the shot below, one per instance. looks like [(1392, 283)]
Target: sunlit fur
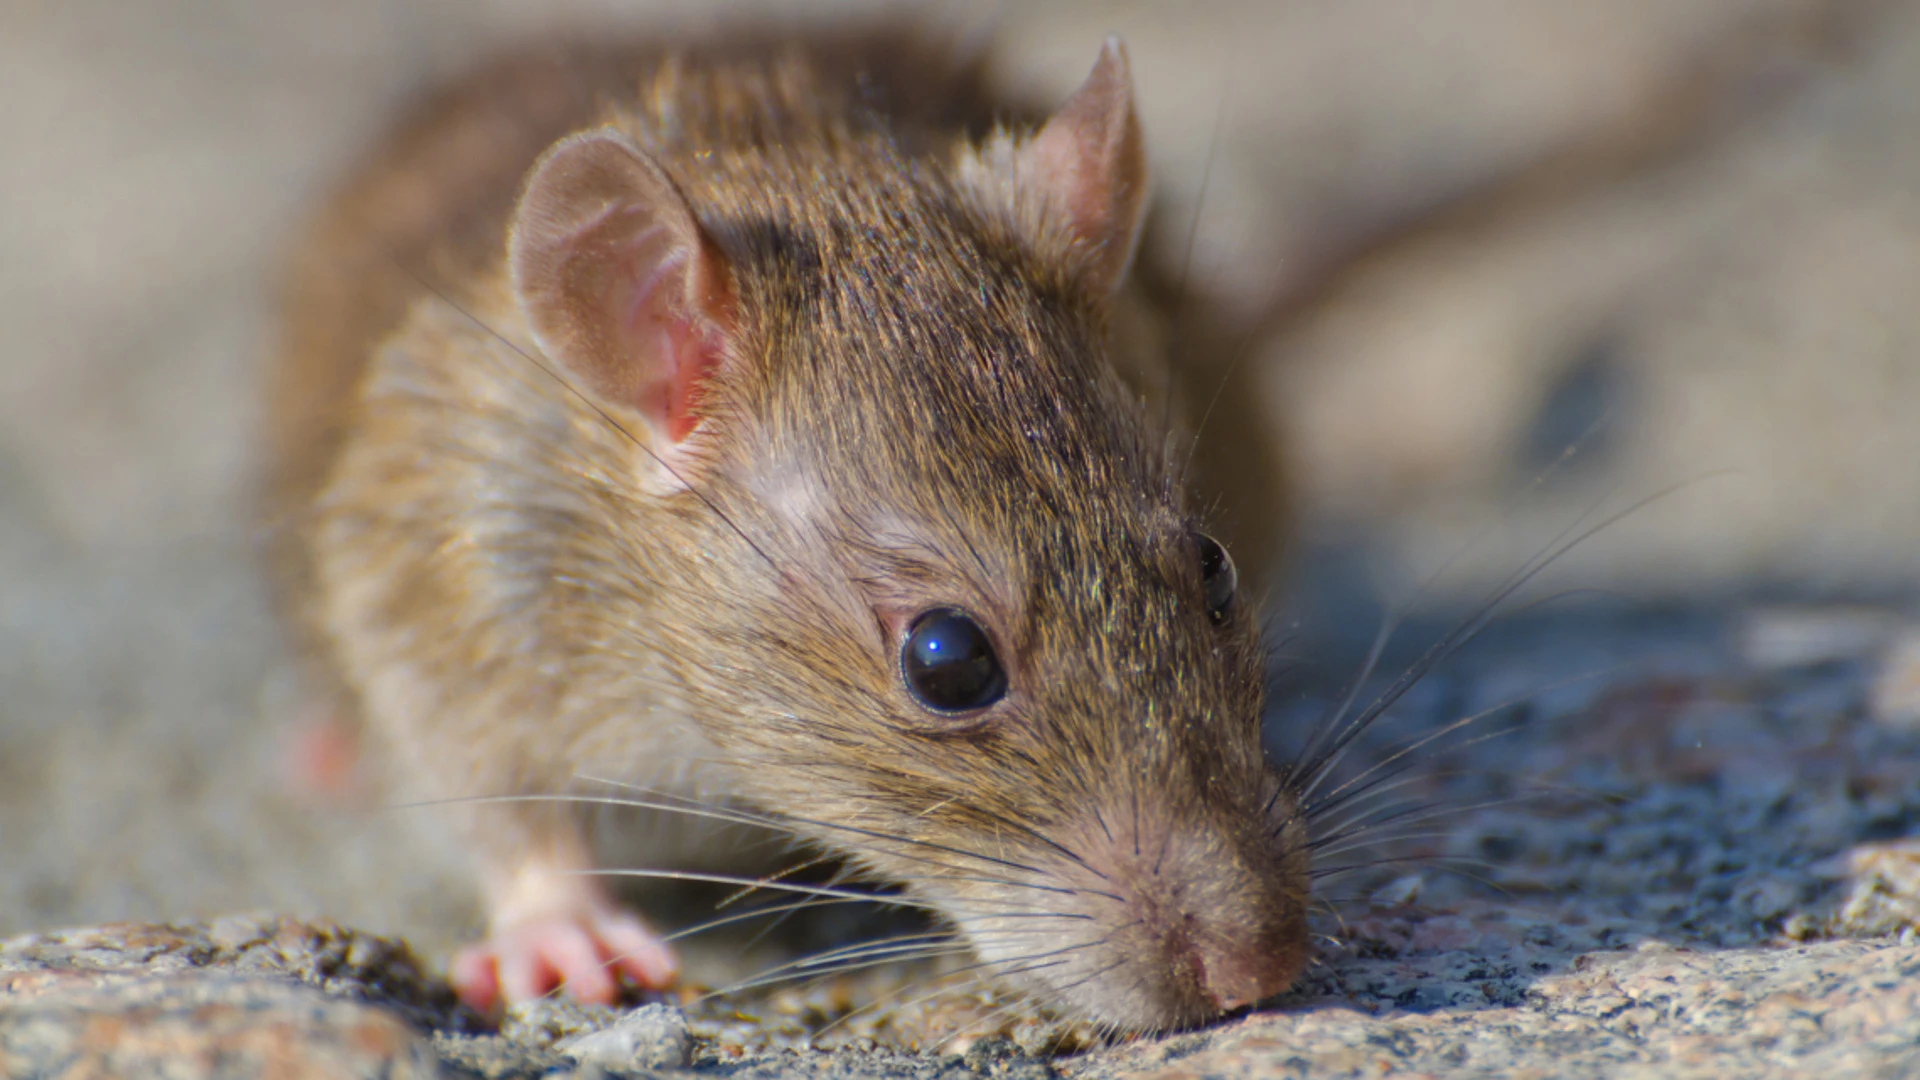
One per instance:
[(918, 409)]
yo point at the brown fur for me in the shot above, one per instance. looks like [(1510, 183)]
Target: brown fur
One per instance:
[(920, 405)]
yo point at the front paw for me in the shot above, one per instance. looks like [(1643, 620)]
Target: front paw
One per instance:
[(586, 953)]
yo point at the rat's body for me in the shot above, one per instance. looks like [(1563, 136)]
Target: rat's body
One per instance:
[(768, 379)]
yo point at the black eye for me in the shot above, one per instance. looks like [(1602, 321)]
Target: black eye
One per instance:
[(1216, 576), (949, 663)]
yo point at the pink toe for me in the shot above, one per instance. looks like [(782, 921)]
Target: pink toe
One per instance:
[(587, 955), (575, 955), (475, 978), (524, 972), (637, 952)]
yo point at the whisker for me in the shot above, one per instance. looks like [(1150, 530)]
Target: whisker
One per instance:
[(1355, 801), (1090, 976), (799, 867), (1469, 628), (732, 816), (1374, 782), (1416, 815), (743, 916), (973, 969), (1367, 815), (1369, 845), (960, 911), (909, 1003), (895, 899), (1331, 798), (783, 821), (1364, 816), (750, 884), (1028, 968), (859, 950), (748, 818), (1443, 862), (791, 973), (1312, 752), (1036, 835), (839, 877)]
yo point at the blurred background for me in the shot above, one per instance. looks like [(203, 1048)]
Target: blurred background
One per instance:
[(1504, 267)]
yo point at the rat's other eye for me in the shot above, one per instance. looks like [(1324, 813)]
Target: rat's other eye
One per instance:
[(1217, 576), (949, 664)]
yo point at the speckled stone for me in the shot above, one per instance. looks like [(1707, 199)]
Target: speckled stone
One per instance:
[(1471, 993), (200, 1025), (1835, 1009), (321, 955)]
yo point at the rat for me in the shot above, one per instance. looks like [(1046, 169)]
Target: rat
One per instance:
[(770, 429)]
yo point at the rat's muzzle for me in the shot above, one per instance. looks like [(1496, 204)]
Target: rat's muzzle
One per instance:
[(1159, 924)]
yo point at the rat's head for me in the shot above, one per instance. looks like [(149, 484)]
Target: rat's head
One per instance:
[(951, 605)]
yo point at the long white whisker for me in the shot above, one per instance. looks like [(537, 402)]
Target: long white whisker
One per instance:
[(744, 916), (1331, 799), (1449, 643), (1369, 845), (968, 969), (905, 945), (1333, 728), (894, 899), (1416, 814), (787, 823), (746, 818), (789, 973)]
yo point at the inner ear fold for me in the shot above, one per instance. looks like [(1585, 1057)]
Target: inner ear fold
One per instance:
[(1088, 166), (618, 282)]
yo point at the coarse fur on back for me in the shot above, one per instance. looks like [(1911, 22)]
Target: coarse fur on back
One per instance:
[(657, 482)]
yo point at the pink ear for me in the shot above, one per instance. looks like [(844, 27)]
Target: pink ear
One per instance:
[(1090, 167), (618, 282)]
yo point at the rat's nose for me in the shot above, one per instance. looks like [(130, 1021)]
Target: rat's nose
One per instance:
[(1234, 974)]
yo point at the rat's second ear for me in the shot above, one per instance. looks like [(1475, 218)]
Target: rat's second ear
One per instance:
[(1086, 168), (619, 283)]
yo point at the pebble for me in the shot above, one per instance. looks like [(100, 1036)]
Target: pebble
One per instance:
[(652, 1036)]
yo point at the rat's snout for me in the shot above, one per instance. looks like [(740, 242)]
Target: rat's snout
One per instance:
[(1174, 921), (1227, 931), (1205, 916), (1233, 975)]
